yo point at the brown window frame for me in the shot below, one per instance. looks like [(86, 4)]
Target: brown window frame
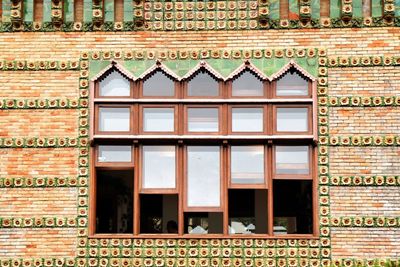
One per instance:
[(181, 138), (141, 119), (291, 105)]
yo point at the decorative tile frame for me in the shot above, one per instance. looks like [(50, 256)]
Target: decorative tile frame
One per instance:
[(196, 252), (178, 15)]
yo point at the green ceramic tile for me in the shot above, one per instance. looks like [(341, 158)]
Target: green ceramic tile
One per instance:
[(28, 10), (69, 10), (357, 8), (225, 67), (315, 9), (181, 67), (376, 8), (6, 6), (397, 10), (46, 10), (335, 8), (274, 9), (87, 13), (293, 9), (128, 10), (109, 10), (138, 67), (96, 66)]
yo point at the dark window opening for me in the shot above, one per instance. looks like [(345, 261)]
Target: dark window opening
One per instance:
[(292, 207), (203, 223), (158, 214), (248, 211), (114, 207)]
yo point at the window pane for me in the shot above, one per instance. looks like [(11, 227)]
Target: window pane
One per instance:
[(292, 160), (248, 209), (114, 85), (247, 84), (158, 119), (197, 223), (158, 214), (293, 207), (247, 164), (247, 120), (114, 119), (292, 84), (115, 154), (203, 84), (158, 166), (203, 176), (292, 119), (203, 120), (158, 84), (114, 207)]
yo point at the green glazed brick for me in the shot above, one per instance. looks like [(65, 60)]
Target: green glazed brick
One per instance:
[(46, 10), (28, 10), (274, 9), (109, 10)]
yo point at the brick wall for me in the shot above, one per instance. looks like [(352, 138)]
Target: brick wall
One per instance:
[(358, 242)]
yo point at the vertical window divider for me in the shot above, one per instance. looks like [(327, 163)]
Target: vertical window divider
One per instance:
[(180, 176), (93, 194), (269, 173), (225, 171), (136, 193), (315, 202)]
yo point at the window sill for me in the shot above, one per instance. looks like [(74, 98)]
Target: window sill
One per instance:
[(209, 236)]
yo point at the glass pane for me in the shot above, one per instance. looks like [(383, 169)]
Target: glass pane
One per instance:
[(247, 120), (115, 154), (248, 210), (158, 119), (292, 84), (158, 214), (203, 176), (292, 160), (158, 166), (114, 201), (158, 84), (247, 164), (203, 120), (292, 119), (114, 119), (114, 85), (198, 223), (203, 84), (293, 207), (247, 84)]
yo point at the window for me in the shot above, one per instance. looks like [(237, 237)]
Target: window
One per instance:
[(203, 156)]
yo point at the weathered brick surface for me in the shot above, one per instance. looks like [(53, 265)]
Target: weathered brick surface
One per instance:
[(37, 202), (364, 160), (51, 45), (37, 243), (51, 123), (364, 121), (365, 243), (372, 81), (38, 84), (36, 162), (365, 201)]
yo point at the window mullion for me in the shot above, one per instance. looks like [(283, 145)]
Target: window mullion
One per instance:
[(136, 199)]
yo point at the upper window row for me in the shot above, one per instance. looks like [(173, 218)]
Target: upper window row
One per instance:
[(203, 84)]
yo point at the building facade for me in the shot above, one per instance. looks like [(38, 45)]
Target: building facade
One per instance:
[(199, 133)]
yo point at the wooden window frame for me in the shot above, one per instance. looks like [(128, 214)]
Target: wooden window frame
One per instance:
[(265, 120), (269, 138), (114, 164), (221, 114), (229, 85), (132, 118), (185, 87), (274, 90), (309, 119), (178, 178), (131, 89), (160, 106), (232, 185), (140, 85)]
